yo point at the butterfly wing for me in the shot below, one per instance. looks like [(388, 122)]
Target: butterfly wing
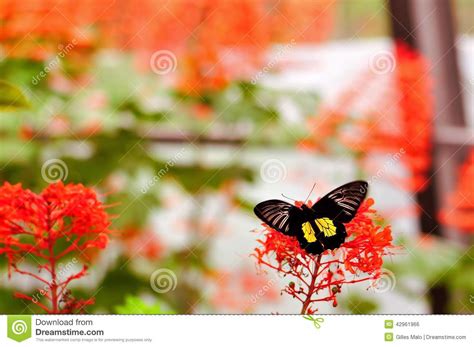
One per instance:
[(342, 203), (316, 240), (277, 214), (320, 227)]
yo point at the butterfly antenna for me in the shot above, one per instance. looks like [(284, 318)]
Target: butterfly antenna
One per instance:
[(314, 185), (287, 197)]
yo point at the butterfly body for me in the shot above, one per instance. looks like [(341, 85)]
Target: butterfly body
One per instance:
[(320, 226)]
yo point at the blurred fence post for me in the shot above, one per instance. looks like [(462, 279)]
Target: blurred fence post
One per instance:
[(435, 38), (428, 27)]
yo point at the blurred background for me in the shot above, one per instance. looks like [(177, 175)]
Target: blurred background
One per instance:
[(184, 114)]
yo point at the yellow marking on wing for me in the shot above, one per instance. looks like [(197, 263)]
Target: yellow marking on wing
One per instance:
[(326, 225), (308, 231)]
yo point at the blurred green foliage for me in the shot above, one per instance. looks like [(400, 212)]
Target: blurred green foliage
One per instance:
[(135, 305), (437, 262), (358, 304), (11, 97), (109, 123)]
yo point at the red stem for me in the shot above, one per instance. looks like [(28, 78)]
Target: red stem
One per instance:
[(293, 293), (314, 275), (279, 269), (52, 263), (31, 274)]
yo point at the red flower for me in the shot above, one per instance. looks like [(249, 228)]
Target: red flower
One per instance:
[(141, 243), (459, 212), (320, 277), (395, 119), (63, 221), (366, 242), (214, 41), (411, 88)]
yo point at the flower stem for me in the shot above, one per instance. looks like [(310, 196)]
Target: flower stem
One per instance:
[(52, 263), (53, 286), (314, 275)]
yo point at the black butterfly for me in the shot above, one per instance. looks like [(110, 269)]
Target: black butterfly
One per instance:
[(319, 227)]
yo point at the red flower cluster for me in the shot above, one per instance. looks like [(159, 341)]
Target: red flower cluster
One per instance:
[(407, 105), (395, 114), (459, 212), (320, 278), (39, 29), (201, 34), (60, 224), (415, 87)]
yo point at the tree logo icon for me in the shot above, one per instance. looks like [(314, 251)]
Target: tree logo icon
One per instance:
[(19, 327)]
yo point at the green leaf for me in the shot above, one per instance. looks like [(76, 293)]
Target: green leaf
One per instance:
[(135, 305), (11, 97)]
